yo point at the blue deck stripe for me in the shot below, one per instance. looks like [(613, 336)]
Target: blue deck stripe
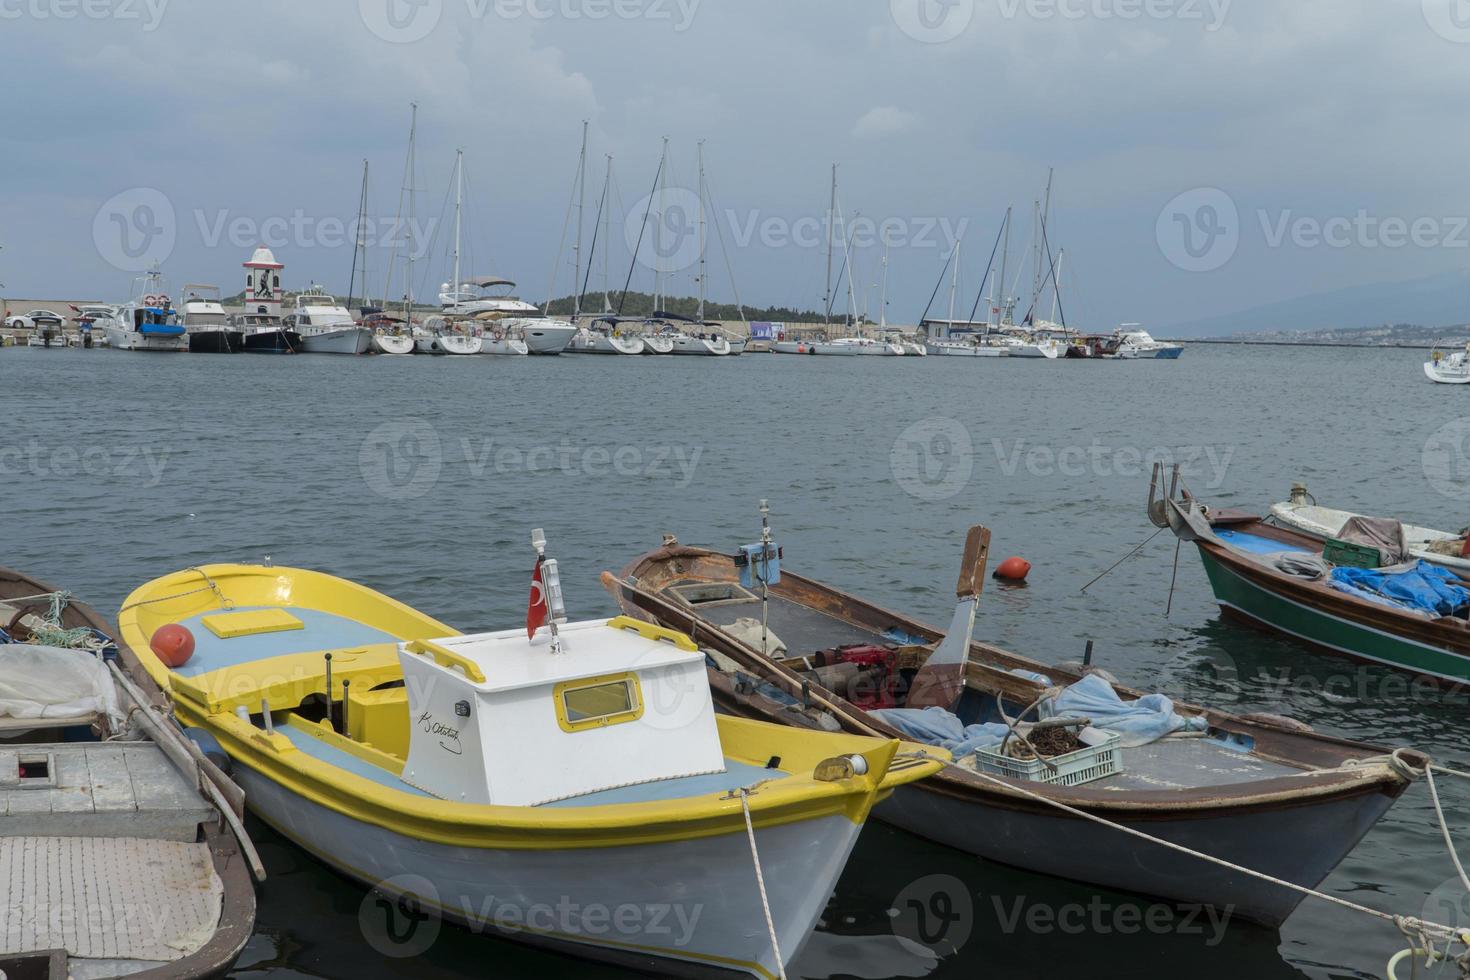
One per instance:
[(320, 631)]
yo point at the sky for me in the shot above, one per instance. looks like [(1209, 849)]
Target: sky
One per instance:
[(1208, 155)]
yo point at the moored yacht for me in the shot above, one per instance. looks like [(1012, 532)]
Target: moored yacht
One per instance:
[(148, 322), (264, 333), (208, 328), (1137, 342), (442, 335), (605, 335), (325, 326)]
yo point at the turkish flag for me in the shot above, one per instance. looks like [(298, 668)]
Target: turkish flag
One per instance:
[(536, 611)]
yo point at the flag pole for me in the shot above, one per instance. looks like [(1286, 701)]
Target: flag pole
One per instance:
[(550, 588)]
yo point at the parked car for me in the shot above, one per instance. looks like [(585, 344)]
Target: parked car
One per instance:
[(33, 319)]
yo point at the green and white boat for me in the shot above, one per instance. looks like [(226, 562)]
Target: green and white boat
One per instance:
[(1246, 556)]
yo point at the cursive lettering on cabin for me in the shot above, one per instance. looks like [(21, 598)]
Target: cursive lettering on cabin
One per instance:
[(444, 733)]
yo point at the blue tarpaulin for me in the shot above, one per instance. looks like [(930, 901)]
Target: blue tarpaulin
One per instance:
[(1425, 587), (1139, 722)]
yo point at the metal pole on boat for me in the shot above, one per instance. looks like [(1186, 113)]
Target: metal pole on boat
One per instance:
[(346, 687), (765, 510), (328, 658)]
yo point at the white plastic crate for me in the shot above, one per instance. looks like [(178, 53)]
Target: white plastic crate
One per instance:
[(1099, 757)]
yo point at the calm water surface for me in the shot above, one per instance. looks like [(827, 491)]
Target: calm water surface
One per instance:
[(423, 476)]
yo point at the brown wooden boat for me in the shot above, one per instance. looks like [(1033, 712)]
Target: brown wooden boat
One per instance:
[(131, 826), (1261, 792)]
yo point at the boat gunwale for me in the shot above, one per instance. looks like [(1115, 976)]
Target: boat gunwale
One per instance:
[(1321, 779)]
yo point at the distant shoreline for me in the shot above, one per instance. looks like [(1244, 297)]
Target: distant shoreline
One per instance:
[(1303, 343)]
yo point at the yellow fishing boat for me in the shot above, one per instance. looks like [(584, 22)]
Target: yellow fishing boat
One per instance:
[(568, 786)]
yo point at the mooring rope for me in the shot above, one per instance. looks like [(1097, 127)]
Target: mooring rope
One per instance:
[(760, 881), (209, 586), (1430, 930)]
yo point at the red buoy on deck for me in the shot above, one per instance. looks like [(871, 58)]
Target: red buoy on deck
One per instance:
[(1014, 569), (173, 644)]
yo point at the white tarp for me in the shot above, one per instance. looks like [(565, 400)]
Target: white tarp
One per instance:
[(49, 682)]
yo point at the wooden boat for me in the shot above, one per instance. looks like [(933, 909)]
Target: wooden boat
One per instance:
[(460, 772), (115, 854), (1237, 549), (1257, 791), (1302, 513)]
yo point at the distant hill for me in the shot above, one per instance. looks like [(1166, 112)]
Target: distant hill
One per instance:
[(641, 304), (1387, 335), (1437, 303)]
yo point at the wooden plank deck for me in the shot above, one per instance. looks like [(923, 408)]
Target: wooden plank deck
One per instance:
[(98, 789)]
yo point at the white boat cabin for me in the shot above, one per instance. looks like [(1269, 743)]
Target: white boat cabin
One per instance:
[(503, 720)]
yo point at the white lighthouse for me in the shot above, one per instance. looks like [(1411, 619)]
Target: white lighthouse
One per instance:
[(263, 282)]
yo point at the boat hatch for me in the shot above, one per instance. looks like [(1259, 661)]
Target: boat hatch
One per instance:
[(251, 622), (710, 593), (500, 719)]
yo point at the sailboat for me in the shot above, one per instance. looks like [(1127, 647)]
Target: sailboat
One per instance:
[(826, 345), (686, 335), (386, 334)]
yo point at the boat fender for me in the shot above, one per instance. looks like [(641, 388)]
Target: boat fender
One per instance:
[(211, 748), (1278, 721), (173, 644)]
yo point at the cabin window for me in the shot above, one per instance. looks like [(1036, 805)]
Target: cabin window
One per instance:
[(597, 702)]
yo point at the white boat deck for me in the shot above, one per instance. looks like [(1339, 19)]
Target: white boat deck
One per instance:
[(122, 904), (97, 789)]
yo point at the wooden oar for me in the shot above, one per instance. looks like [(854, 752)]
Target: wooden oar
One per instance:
[(941, 681), (176, 747)]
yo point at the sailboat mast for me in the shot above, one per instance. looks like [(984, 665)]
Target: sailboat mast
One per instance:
[(658, 230), (1056, 284), (831, 230), (606, 242), (359, 246), (883, 291), (699, 149), (413, 128), (458, 206), (954, 283), (1005, 253), (581, 202)]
